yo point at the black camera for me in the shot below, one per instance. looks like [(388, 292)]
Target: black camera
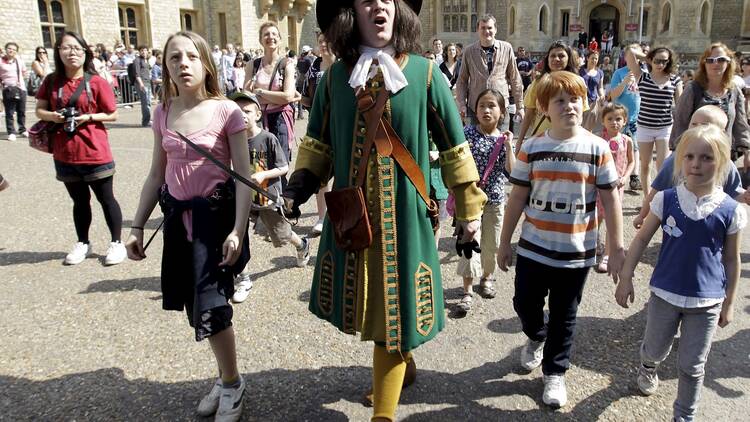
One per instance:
[(69, 114)]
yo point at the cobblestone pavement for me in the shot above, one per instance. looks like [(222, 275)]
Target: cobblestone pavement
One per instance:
[(91, 342)]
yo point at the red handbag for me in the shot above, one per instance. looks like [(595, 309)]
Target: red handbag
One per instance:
[(42, 134)]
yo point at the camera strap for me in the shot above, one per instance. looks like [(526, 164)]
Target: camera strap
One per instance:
[(72, 102)]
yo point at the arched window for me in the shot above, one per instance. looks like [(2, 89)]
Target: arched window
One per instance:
[(512, 20), (704, 19), (460, 15), (666, 17), (130, 23), (188, 22), (543, 18)]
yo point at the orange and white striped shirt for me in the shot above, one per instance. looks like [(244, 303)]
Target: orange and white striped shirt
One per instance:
[(560, 223)]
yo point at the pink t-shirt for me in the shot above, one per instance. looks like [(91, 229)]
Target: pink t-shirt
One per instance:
[(188, 174)]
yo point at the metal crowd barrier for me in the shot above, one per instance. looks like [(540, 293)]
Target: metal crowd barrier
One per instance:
[(126, 93)]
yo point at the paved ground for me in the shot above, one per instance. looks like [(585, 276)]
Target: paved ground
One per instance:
[(92, 343)]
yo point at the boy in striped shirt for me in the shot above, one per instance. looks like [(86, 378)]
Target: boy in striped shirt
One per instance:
[(556, 179)]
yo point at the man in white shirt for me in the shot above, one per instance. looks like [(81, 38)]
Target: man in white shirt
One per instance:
[(437, 48)]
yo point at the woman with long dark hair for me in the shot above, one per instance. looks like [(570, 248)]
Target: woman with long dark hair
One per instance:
[(450, 66), (388, 289), (560, 56), (40, 68), (81, 101)]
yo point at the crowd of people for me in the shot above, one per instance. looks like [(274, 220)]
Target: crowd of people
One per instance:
[(398, 142)]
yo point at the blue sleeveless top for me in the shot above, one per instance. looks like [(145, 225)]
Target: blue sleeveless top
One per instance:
[(690, 259)]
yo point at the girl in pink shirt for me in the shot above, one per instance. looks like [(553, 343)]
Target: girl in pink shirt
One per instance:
[(205, 215)]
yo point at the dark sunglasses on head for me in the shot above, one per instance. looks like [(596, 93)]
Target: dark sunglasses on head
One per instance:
[(720, 59)]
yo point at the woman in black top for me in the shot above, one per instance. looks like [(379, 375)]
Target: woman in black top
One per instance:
[(450, 66)]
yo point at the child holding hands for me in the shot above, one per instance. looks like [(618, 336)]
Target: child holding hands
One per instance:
[(694, 283), (493, 155)]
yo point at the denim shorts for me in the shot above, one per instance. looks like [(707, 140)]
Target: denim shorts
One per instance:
[(70, 173)]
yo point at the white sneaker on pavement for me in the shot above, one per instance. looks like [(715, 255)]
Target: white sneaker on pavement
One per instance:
[(242, 290), (318, 227), (12, 137), (532, 354), (303, 253), (648, 380), (78, 254), (116, 253), (230, 403), (555, 393), (210, 402), (25, 134)]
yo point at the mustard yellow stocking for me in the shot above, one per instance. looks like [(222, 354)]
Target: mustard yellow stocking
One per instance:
[(388, 371)]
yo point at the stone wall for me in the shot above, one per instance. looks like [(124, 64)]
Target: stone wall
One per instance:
[(727, 20)]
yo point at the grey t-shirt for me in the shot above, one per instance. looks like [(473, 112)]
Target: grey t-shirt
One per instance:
[(266, 154)]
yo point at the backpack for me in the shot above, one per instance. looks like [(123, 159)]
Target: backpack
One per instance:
[(131, 72)]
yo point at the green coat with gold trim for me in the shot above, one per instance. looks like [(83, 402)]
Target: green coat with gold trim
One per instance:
[(391, 292)]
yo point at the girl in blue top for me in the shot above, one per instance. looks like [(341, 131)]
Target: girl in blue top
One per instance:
[(694, 283), (493, 154)]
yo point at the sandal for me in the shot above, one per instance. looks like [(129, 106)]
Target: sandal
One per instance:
[(486, 288), (603, 266), (409, 377)]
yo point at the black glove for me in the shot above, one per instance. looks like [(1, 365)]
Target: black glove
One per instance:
[(467, 248), (291, 209)]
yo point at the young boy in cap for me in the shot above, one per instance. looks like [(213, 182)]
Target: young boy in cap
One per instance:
[(267, 164)]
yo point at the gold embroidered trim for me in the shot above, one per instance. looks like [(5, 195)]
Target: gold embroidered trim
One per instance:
[(349, 293), (457, 166), (424, 296), (455, 154), (325, 286), (386, 180), (316, 157)]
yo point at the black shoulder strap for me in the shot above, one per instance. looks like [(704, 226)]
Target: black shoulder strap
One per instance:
[(273, 75), (73, 101)]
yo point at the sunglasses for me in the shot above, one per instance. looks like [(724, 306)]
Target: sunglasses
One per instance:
[(720, 59), (662, 62)]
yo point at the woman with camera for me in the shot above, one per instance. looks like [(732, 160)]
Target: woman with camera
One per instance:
[(80, 101)]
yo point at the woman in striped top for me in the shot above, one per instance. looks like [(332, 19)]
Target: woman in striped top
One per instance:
[(659, 89)]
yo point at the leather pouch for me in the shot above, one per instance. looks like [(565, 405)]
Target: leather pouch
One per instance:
[(348, 215)]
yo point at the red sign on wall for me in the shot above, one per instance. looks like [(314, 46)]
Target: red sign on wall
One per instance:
[(631, 27), (575, 27)]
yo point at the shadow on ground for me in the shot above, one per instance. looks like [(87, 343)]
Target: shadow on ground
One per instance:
[(148, 284), (28, 257)]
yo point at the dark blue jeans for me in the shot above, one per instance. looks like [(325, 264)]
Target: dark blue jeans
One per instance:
[(534, 281)]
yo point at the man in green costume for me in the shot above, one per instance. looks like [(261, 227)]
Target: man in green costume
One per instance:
[(390, 292)]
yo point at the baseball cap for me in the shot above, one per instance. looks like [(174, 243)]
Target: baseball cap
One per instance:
[(306, 49), (242, 95)]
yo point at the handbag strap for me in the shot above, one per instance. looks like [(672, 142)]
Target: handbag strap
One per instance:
[(73, 100), (372, 110), (493, 158)]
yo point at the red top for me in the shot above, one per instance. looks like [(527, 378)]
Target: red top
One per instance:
[(593, 45), (89, 144)]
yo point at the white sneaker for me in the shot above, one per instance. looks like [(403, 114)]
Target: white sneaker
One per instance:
[(25, 134), (210, 402), (303, 254), (532, 354), (318, 227), (12, 137), (78, 254), (555, 394), (230, 403), (648, 380), (242, 290), (116, 253)]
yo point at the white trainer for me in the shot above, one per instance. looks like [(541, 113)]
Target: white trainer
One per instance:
[(555, 393), (318, 227), (532, 354), (78, 254), (242, 290), (303, 253), (230, 403), (210, 402), (116, 253), (648, 380), (12, 137), (25, 134)]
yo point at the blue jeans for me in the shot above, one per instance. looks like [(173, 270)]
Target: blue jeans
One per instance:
[(145, 97)]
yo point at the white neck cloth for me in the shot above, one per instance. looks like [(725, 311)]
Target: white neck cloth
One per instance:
[(364, 70)]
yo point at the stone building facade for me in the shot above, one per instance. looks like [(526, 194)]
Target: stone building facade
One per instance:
[(686, 25), (32, 23)]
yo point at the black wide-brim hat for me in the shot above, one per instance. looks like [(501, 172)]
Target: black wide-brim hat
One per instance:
[(326, 10)]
